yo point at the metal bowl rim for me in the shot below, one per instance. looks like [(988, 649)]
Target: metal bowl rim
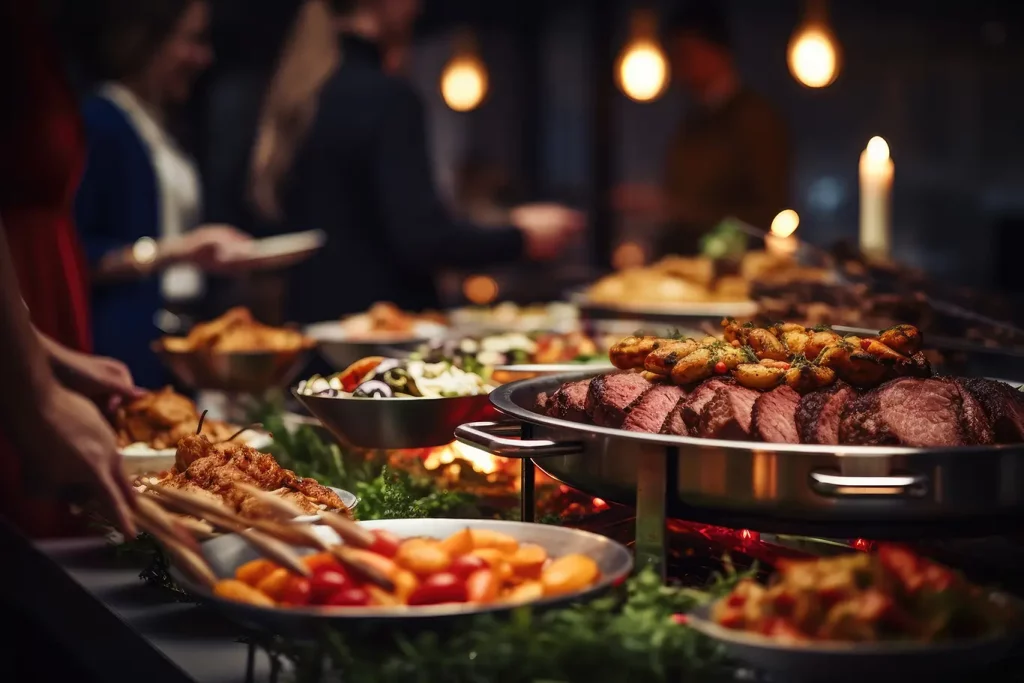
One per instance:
[(501, 398), (444, 610)]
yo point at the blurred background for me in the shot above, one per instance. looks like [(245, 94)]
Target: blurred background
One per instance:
[(935, 80)]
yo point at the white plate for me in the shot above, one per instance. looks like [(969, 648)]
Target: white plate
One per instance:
[(279, 251), (141, 459), (333, 331), (842, 661)]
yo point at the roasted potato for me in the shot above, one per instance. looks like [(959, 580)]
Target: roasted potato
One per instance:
[(631, 351), (694, 367), (876, 348), (757, 376), (766, 345), (817, 342), (661, 360), (806, 377)]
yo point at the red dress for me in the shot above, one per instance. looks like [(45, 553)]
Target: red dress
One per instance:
[(42, 151)]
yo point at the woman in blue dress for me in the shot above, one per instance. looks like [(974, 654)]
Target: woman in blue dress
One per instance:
[(138, 205)]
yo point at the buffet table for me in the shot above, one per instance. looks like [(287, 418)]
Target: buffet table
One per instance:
[(104, 618)]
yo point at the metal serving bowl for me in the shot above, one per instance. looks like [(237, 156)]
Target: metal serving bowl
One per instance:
[(226, 553), (237, 372), (340, 351), (841, 661), (393, 423)]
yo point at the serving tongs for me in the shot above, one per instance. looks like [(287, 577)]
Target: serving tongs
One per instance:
[(271, 538)]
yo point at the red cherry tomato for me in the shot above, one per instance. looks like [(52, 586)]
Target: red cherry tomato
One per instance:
[(384, 543), (298, 591), (439, 588), (326, 583), (721, 368), (353, 596), (465, 565)]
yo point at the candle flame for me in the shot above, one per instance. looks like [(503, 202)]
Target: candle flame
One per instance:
[(813, 58), (785, 223), (877, 149)]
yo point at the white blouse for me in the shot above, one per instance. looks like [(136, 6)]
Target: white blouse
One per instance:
[(178, 193)]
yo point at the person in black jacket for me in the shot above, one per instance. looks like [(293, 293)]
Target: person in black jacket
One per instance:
[(342, 147)]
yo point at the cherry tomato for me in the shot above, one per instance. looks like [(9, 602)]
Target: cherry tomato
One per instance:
[(297, 591), (439, 588), (321, 561), (353, 596), (326, 583), (467, 564), (721, 368), (384, 543)]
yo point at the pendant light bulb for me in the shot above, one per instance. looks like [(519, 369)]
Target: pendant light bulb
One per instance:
[(642, 71), (464, 79), (813, 54)]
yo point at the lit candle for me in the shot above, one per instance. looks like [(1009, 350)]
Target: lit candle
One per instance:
[(780, 241), (876, 173)]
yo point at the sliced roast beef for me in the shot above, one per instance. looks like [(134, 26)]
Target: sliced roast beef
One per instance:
[(674, 422), (817, 416), (540, 404), (693, 406), (1003, 406), (773, 417), (652, 411), (569, 401), (610, 397), (727, 414), (915, 412)]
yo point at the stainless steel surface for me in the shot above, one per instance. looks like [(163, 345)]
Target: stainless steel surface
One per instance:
[(227, 553), (772, 486), (245, 373), (392, 423), (554, 368), (832, 661)]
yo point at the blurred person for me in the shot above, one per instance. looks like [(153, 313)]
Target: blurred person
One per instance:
[(52, 439), (343, 148), (730, 155), (138, 205)]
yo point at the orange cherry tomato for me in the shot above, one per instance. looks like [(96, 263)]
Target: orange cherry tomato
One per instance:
[(255, 571), (459, 543), (482, 586), (275, 583), (423, 556), (321, 560)]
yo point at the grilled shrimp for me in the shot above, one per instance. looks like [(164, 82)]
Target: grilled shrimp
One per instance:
[(631, 351), (661, 360), (905, 339)]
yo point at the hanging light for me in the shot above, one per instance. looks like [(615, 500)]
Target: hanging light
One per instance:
[(813, 54), (464, 79), (642, 71)]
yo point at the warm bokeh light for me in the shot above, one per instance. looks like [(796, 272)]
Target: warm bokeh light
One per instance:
[(480, 289), (464, 83), (813, 57), (785, 224), (643, 71), (877, 150), (628, 255)]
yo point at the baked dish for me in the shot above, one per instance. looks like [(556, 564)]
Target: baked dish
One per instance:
[(237, 332), (159, 420)]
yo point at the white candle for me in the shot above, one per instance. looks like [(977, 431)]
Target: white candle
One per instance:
[(780, 241), (876, 173)]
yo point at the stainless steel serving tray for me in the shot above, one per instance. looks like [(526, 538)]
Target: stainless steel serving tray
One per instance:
[(846, 491)]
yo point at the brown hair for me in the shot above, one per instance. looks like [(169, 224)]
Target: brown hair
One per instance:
[(309, 57), (132, 32)]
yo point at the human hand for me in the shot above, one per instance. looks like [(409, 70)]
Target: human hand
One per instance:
[(547, 228), (104, 380), (73, 453), (209, 247)]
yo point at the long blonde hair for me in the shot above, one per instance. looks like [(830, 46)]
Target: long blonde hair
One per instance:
[(309, 57)]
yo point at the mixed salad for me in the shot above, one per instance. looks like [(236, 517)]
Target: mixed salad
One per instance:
[(481, 354), (378, 377)]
